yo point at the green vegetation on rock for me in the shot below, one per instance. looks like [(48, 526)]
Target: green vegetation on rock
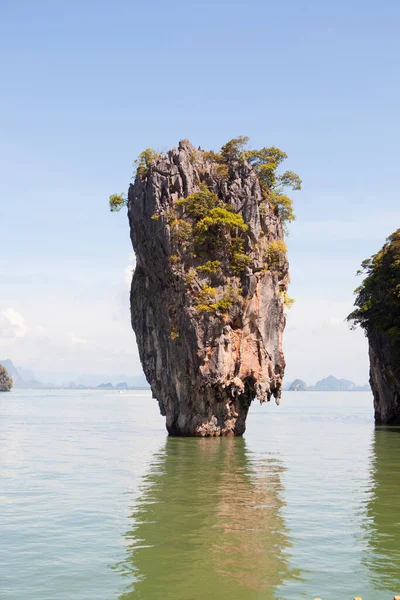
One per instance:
[(206, 228), (144, 160), (233, 150), (199, 204), (239, 262), (6, 382), (274, 254), (206, 302), (218, 227), (142, 168), (266, 162), (288, 301), (211, 267), (203, 225), (117, 201), (378, 297)]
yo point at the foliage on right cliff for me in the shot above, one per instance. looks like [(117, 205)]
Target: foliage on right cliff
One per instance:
[(377, 311)]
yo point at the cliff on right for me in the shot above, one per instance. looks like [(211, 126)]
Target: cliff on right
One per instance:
[(377, 311)]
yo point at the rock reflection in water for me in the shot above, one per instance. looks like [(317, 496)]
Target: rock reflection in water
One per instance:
[(208, 524), (383, 510)]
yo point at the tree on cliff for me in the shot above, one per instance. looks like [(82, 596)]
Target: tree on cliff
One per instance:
[(6, 382), (378, 297), (142, 168), (265, 162)]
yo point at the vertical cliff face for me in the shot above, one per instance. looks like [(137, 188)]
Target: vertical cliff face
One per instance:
[(384, 378), (207, 297), (6, 382), (378, 312)]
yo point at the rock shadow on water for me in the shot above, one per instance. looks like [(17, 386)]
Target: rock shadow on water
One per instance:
[(208, 523), (383, 511)]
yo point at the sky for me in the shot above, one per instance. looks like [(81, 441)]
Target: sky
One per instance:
[(86, 86)]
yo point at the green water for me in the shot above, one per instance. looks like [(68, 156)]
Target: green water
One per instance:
[(97, 503)]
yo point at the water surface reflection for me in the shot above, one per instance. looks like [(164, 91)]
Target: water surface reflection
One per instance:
[(383, 510), (208, 522)]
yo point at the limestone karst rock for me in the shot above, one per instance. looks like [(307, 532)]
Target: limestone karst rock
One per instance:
[(6, 382), (298, 385), (208, 291), (384, 378), (378, 312)]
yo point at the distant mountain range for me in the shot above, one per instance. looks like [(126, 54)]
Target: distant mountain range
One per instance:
[(329, 384), (25, 379), (22, 378)]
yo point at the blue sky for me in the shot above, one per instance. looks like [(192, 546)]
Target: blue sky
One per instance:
[(87, 85)]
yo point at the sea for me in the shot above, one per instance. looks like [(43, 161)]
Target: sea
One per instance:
[(98, 503)]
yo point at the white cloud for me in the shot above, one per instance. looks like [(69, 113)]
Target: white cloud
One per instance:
[(88, 329), (16, 321), (37, 330), (76, 341), (318, 342), (335, 321)]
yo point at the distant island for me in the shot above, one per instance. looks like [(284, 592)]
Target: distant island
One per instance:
[(6, 382), (25, 379), (328, 384), (109, 386)]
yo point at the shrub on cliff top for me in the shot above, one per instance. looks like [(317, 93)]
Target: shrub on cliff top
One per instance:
[(6, 382), (143, 162), (233, 150), (142, 169), (266, 162), (219, 162)]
